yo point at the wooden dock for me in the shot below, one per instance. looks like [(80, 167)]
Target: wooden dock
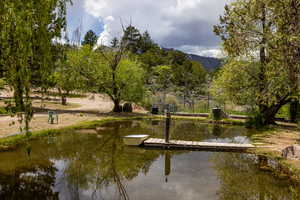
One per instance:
[(192, 145)]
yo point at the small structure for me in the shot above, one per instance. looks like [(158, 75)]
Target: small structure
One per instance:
[(216, 113), (52, 116), (134, 140)]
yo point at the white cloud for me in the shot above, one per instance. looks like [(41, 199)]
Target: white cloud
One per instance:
[(202, 51), (171, 23)]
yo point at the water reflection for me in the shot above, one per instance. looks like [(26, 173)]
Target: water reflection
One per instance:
[(241, 179), (167, 164), (86, 166)]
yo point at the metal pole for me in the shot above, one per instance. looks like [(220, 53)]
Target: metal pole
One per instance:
[(167, 130)]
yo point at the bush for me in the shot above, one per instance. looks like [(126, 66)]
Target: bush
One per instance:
[(3, 111), (255, 121)]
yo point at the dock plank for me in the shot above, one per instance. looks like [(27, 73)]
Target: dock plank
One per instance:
[(181, 144)]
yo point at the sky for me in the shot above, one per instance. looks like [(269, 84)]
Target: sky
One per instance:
[(186, 25)]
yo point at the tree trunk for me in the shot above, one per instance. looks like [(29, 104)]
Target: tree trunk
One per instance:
[(268, 113), (63, 97), (63, 100), (294, 107), (117, 107), (18, 95)]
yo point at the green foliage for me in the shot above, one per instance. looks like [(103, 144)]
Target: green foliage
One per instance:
[(65, 76), (163, 77), (131, 38), (2, 84), (260, 32), (234, 82), (90, 38), (3, 111), (255, 121), (95, 74), (27, 31)]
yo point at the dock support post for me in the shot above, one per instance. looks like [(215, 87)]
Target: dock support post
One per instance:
[(167, 130)]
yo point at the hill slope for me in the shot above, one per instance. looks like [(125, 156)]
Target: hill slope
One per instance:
[(209, 63)]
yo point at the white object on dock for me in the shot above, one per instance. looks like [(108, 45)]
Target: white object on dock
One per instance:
[(135, 140)]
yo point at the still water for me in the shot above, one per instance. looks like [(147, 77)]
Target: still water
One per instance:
[(94, 164)]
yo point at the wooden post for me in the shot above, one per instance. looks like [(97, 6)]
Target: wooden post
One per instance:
[(167, 130)]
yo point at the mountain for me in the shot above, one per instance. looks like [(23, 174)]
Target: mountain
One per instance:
[(209, 63)]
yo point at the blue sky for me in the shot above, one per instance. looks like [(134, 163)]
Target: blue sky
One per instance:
[(186, 25), (77, 15)]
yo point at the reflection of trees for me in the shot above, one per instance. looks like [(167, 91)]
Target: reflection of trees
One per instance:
[(34, 183), (240, 179), (90, 161), (108, 163), (197, 131)]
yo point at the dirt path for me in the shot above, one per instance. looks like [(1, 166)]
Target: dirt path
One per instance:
[(87, 110), (99, 103)]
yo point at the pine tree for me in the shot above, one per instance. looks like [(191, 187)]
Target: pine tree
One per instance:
[(90, 38), (132, 39)]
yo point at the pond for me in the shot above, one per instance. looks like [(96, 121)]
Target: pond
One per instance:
[(90, 164)]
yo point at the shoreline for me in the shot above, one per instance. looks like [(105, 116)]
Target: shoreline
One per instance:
[(289, 167), (279, 138)]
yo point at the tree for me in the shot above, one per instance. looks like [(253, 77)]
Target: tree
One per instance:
[(109, 72), (65, 77), (90, 38), (26, 35), (131, 39), (189, 79), (237, 82), (163, 79), (114, 42), (254, 30), (146, 43)]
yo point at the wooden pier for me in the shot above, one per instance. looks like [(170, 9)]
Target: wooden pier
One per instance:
[(192, 145)]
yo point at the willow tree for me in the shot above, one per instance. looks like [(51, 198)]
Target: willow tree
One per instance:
[(27, 30), (265, 32)]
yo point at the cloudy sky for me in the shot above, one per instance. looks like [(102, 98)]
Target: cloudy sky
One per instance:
[(181, 24)]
